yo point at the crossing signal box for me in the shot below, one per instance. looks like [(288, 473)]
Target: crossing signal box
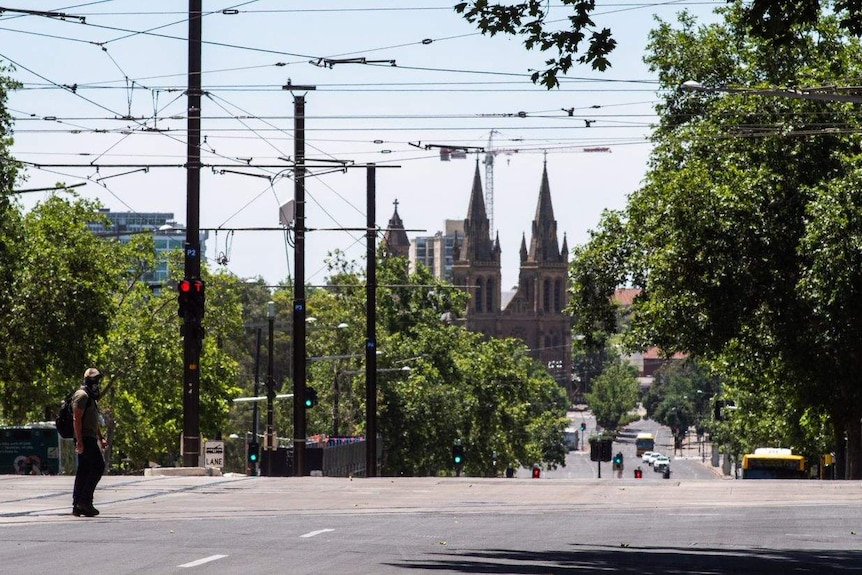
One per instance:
[(639, 473), (537, 472)]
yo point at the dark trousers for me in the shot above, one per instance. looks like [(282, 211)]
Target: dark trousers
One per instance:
[(91, 466)]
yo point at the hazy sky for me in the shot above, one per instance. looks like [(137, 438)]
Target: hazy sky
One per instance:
[(105, 85)]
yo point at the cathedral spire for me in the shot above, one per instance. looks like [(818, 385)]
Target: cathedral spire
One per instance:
[(478, 245), (476, 210), (395, 238), (543, 244)]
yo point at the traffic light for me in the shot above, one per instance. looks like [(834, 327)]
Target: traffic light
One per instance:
[(198, 296), (458, 455), (183, 297), (253, 453), (191, 299), (310, 397), (618, 459), (583, 426)]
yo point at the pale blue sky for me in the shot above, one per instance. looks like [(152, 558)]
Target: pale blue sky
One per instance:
[(128, 58)]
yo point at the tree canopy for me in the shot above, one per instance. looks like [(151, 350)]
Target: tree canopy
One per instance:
[(581, 41), (745, 235)]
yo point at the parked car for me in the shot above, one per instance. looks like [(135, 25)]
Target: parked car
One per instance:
[(645, 457), (661, 462)]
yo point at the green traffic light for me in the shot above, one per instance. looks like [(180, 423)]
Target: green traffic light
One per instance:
[(457, 459)]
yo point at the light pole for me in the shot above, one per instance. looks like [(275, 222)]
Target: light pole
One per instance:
[(270, 443), (255, 413)]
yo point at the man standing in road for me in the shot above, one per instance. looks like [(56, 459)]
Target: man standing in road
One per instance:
[(89, 443)]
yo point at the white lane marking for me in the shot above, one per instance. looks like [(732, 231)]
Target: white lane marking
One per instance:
[(318, 532), (202, 561)]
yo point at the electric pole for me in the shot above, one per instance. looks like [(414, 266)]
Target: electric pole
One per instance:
[(299, 359), (192, 331), (370, 326)]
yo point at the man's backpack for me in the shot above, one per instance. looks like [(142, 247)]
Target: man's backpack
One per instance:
[(65, 419)]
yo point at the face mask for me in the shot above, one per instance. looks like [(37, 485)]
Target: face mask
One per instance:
[(93, 387)]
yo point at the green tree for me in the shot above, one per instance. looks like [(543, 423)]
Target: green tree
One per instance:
[(143, 361), (614, 394), (744, 246), (489, 394), (776, 23), (64, 284), (680, 396)]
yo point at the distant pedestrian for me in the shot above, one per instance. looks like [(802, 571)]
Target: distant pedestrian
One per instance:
[(89, 443)]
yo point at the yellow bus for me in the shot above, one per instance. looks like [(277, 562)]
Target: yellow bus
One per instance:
[(644, 442), (772, 463)]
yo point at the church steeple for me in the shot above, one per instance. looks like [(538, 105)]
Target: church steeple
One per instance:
[(478, 246), (543, 243), (395, 238), (476, 210)]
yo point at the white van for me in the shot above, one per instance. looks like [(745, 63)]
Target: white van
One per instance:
[(570, 437)]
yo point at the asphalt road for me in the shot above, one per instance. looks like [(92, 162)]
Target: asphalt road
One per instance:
[(692, 462), (434, 525)]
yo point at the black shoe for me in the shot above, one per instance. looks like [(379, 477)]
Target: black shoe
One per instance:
[(85, 510)]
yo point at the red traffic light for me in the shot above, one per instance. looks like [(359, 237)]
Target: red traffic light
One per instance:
[(185, 286)]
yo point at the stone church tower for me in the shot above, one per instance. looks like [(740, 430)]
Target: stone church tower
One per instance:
[(535, 312), (395, 240)]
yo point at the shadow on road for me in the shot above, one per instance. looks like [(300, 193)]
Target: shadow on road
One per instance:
[(643, 561)]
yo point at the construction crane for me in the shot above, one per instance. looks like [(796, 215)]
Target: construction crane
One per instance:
[(491, 152), (489, 182)]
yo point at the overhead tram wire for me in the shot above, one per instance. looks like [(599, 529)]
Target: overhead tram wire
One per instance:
[(140, 124)]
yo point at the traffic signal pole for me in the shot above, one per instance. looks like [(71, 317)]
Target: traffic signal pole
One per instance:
[(271, 443), (192, 331), (255, 416), (371, 325), (299, 313)]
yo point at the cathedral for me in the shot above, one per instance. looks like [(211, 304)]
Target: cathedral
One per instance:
[(535, 312)]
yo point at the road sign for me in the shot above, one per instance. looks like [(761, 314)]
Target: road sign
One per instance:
[(214, 454)]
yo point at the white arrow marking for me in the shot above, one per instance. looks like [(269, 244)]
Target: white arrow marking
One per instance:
[(318, 532), (202, 561)]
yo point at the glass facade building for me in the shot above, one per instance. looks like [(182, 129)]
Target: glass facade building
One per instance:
[(167, 236)]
